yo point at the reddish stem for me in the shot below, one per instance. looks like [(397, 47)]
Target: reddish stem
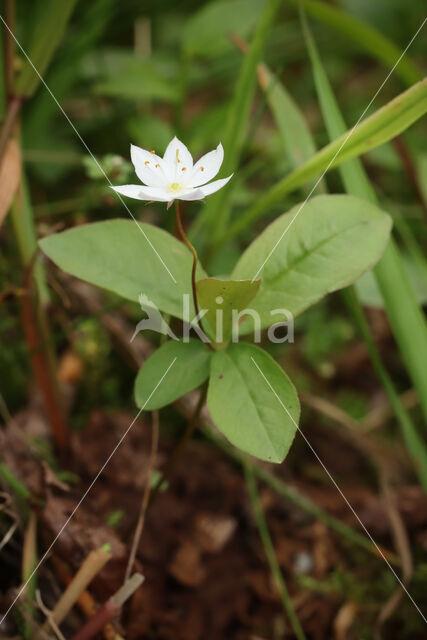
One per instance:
[(99, 620), (41, 367)]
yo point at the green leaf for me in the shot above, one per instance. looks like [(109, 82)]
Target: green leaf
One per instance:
[(220, 298), (295, 133), (405, 316), (47, 33), (366, 37), (386, 123), (331, 241), (190, 369), (245, 408), (207, 32), (129, 259)]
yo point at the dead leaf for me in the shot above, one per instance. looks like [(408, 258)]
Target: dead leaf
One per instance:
[(186, 566), (10, 175), (213, 531)]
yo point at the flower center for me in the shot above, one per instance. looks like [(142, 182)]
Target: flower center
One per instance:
[(175, 186)]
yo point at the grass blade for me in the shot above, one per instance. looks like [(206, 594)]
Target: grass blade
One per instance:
[(301, 147), (365, 37), (383, 125), (47, 34), (400, 301), (271, 554)]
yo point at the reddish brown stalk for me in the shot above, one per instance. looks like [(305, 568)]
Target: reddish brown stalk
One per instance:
[(99, 620), (195, 260), (146, 495), (410, 169), (41, 366), (86, 601), (110, 609)]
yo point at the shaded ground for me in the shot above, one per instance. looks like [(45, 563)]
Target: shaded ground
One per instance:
[(205, 568)]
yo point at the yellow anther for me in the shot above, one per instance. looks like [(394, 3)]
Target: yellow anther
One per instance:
[(152, 151), (202, 168), (147, 162), (184, 168), (157, 165), (175, 186)]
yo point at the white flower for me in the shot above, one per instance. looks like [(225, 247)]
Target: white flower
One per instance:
[(174, 177)]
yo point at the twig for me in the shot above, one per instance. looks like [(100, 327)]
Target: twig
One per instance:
[(91, 566), (378, 416), (29, 578), (146, 495), (403, 547), (85, 602), (48, 614), (4, 508), (110, 609), (271, 554)]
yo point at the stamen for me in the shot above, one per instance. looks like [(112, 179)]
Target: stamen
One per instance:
[(152, 151), (184, 168), (175, 186), (157, 165), (202, 168), (147, 162), (177, 156)]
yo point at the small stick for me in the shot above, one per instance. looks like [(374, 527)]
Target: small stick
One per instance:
[(48, 615), (86, 601), (146, 495), (110, 609), (89, 569)]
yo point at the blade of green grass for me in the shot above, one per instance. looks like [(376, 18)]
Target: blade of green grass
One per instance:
[(383, 125), (46, 36), (267, 542), (405, 316), (365, 37), (294, 131), (300, 146), (214, 217)]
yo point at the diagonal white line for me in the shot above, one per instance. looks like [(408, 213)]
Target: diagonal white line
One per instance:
[(43, 558), (86, 146), (343, 496), (347, 138)]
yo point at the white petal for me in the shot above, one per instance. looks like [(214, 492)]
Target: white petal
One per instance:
[(197, 194), (178, 156), (207, 167), (140, 192), (149, 167), (214, 186)]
